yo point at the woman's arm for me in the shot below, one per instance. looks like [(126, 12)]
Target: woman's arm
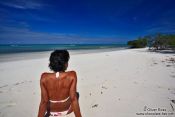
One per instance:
[(73, 96), (44, 98)]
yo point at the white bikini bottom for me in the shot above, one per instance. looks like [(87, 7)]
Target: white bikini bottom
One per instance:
[(59, 114)]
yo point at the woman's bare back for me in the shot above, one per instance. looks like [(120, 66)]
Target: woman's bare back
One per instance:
[(58, 89)]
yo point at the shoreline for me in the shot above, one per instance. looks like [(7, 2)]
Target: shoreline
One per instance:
[(45, 54)]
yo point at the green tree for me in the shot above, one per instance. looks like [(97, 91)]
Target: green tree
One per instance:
[(164, 41), (139, 43)]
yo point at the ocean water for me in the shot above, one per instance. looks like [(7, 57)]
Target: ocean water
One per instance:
[(15, 48)]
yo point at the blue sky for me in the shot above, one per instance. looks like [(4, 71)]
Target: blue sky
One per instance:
[(83, 21)]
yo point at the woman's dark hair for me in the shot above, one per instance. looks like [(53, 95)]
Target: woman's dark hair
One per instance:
[(58, 59)]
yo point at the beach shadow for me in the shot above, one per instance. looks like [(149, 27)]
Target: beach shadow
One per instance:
[(162, 51), (173, 76), (95, 105), (3, 86), (172, 104)]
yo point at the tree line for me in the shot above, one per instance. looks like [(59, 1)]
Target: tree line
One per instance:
[(158, 41)]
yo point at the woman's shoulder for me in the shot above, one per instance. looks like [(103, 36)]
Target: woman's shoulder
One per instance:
[(72, 74), (44, 76)]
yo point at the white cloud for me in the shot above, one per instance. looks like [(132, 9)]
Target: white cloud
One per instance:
[(22, 4), (161, 26), (24, 35)]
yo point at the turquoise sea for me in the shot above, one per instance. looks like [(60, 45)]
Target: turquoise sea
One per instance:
[(18, 48)]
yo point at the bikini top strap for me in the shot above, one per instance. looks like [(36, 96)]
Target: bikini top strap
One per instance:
[(57, 74)]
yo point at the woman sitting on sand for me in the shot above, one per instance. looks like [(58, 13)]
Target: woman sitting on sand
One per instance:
[(58, 89)]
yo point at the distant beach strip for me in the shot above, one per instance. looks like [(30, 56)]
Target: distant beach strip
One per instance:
[(23, 48), (35, 51)]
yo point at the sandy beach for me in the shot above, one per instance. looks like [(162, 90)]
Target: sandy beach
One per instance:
[(124, 83)]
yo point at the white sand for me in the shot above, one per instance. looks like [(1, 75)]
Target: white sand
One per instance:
[(111, 84)]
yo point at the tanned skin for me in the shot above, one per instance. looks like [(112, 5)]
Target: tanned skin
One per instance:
[(59, 89)]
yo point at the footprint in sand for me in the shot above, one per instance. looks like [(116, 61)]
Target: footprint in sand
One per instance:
[(11, 104), (30, 81), (168, 65), (7, 104), (104, 87), (172, 91), (172, 104), (173, 101), (3, 86), (159, 87), (173, 76), (96, 105), (18, 83)]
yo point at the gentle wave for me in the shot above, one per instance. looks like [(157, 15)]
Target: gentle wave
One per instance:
[(18, 48)]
